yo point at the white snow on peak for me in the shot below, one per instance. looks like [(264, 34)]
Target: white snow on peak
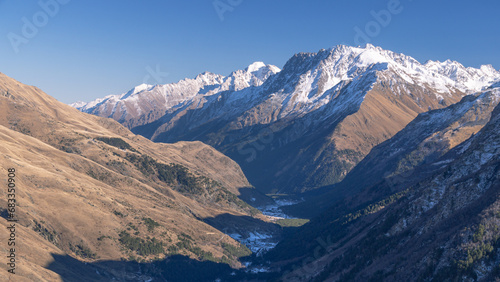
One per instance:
[(466, 79), (261, 70), (488, 69), (372, 56), (308, 82), (82, 106), (206, 78), (97, 101), (144, 96), (369, 46), (254, 75), (255, 66), (342, 64), (78, 104), (139, 88), (142, 87), (443, 76)]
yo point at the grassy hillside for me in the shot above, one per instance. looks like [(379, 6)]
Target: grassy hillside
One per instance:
[(89, 188)]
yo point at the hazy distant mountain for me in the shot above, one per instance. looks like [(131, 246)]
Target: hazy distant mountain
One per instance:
[(305, 126)]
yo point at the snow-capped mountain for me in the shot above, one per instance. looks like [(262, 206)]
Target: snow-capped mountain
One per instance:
[(304, 82), (131, 94), (466, 79), (309, 123), (151, 100)]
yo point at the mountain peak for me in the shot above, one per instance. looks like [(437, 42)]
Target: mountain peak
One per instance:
[(468, 79), (259, 68), (369, 46), (255, 66), (139, 88), (489, 69), (206, 75), (78, 104)]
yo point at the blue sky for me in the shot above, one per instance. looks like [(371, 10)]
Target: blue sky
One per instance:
[(82, 50)]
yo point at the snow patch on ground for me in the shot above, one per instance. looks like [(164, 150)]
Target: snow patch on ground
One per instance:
[(274, 210), (258, 243)]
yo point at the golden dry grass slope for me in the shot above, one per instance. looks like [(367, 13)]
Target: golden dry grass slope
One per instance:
[(88, 187)]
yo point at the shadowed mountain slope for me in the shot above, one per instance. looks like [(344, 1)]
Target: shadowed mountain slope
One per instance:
[(438, 222)]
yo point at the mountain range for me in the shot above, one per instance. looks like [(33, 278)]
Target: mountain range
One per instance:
[(395, 163), (305, 126)]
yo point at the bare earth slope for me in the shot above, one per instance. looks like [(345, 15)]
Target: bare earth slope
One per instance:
[(88, 187)]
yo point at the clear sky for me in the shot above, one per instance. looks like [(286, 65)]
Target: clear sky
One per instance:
[(85, 49)]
